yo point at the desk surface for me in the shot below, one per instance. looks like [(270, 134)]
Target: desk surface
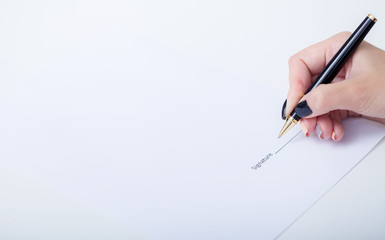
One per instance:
[(240, 37)]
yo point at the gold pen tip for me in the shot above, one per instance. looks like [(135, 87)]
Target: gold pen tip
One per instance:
[(289, 123)]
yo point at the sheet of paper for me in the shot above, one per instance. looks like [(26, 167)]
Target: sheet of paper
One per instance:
[(168, 146)]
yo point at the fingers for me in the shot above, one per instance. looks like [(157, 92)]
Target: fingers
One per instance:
[(326, 125), (326, 98), (309, 62), (329, 127), (308, 125), (338, 130)]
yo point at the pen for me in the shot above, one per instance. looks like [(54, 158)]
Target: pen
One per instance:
[(333, 67)]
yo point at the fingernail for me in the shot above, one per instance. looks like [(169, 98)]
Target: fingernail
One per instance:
[(302, 109), (334, 136), (284, 110), (304, 129), (319, 132)]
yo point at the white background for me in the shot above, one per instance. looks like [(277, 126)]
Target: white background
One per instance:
[(248, 39)]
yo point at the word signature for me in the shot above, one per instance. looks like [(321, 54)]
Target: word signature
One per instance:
[(259, 164)]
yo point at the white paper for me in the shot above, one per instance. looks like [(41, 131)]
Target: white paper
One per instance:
[(166, 145)]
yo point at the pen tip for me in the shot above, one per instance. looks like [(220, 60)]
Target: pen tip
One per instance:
[(279, 136)]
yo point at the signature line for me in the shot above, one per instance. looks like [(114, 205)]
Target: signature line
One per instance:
[(287, 142)]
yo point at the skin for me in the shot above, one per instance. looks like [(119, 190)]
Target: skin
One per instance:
[(358, 89)]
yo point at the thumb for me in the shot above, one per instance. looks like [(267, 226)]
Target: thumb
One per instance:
[(326, 98)]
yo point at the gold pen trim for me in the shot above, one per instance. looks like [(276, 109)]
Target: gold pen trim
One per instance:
[(372, 17)]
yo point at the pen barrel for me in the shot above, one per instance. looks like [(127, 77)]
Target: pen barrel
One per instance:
[(337, 62)]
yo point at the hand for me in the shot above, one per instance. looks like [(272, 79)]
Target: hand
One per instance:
[(358, 89)]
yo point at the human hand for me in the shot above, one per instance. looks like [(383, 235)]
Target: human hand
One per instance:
[(357, 90)]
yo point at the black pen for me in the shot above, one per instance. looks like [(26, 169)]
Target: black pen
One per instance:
[(333, 67)]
